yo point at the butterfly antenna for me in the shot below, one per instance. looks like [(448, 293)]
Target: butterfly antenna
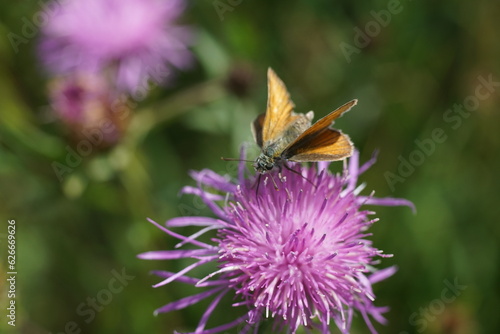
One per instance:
[(234, 159), (302, 176)]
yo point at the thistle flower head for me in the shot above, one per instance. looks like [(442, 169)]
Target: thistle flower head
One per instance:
[(133, 40), (299, 255), (88, 107)]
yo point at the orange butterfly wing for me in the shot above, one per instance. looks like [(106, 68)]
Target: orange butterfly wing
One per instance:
[(330, 145), (320, 142), (279, 113)]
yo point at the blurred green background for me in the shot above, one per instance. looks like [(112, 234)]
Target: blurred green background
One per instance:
[(72, 235)]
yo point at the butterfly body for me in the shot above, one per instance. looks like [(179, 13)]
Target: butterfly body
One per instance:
[(284, 135), (272, 151)]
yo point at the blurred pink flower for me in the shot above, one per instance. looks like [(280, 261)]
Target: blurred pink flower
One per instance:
[(130, 41), (89, 109)]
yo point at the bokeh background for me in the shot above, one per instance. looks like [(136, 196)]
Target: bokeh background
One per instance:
[(71, 235)]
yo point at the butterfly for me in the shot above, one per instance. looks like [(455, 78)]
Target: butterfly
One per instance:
[(284, 135)]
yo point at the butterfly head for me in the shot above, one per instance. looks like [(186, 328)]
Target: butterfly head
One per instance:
[(264, 163)]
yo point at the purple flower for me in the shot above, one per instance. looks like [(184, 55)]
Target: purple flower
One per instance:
[(133, 41), (299, 255)]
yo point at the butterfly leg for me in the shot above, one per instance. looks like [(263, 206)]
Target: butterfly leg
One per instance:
[(256, 185), (298, 173), (274, 182), (280, 174)]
